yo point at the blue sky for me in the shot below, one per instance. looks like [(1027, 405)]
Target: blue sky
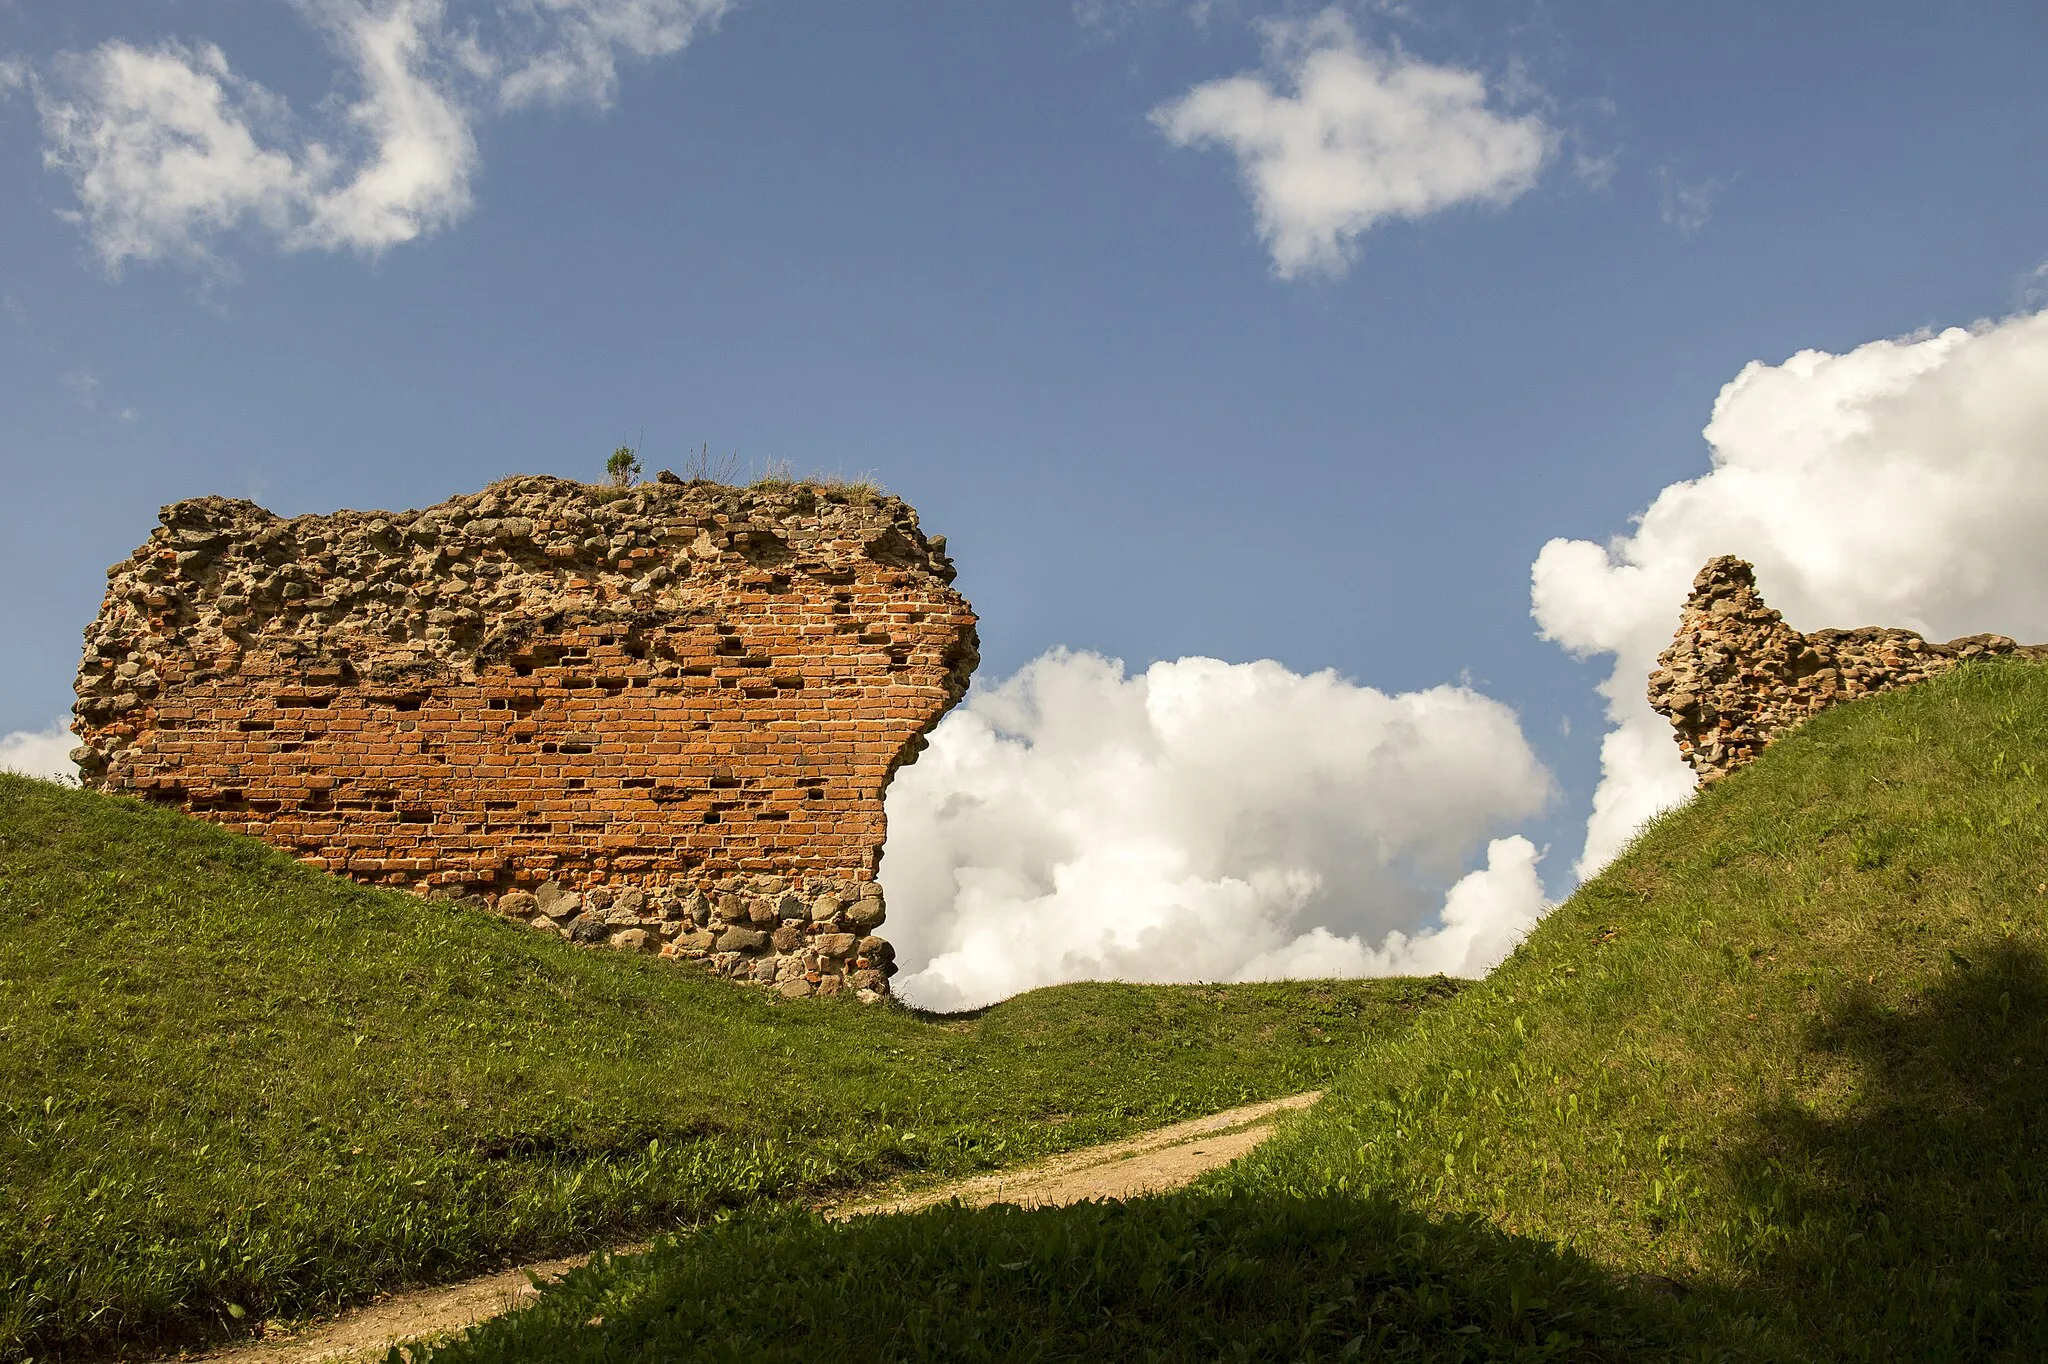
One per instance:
[(963, 247)]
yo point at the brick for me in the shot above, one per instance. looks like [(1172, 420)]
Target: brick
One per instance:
[(554, 721)]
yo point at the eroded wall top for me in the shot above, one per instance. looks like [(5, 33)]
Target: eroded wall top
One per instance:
[(665, 707), (1736, 676)]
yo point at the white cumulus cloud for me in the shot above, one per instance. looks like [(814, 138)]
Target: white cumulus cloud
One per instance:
[(1206, 821), (1356, 136), (39, 753), (162, 149), (1903, 483), (168, 148)]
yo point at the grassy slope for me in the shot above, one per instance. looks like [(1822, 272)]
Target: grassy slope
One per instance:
[(1792, 1050), (1774, 1086), (231, 1087)]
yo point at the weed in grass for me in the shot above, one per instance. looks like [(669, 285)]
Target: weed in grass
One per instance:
[(701, 466), (779, 476), (858, 489), (776, 476)]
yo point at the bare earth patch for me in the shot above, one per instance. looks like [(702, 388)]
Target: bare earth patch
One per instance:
[(1151, 1162)]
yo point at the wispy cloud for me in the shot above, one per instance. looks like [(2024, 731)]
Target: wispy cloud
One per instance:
[(1686, 205), (567, 51), (2033, 287), (83, 383), (1108, 18), (1336, 136), (169, 149), (1595, 170)]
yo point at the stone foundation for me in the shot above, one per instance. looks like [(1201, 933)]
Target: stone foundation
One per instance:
[(810, 937)]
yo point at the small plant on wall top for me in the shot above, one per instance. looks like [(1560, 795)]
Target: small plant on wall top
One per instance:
[(623, 467)]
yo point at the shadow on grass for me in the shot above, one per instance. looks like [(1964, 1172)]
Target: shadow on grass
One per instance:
[(1198, 1276), (1909, 1223), (1915, 1224)]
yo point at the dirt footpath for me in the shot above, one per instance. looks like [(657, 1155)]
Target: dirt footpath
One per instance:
[(1165, 1158), (366, 1334)]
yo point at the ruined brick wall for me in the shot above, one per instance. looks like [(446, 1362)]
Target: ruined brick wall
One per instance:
[(1736, 676), (660, 718)]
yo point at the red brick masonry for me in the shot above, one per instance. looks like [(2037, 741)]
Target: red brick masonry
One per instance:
[(661, 718)]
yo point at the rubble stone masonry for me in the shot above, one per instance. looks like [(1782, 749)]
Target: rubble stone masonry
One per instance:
[(1736, 676), (659, 718)]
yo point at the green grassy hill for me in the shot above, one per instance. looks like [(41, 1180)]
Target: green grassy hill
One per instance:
[(233, 1088), (1773, 1086)]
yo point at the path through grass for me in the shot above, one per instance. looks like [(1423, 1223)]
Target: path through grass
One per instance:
[(1774, 1086), (232, 1087)]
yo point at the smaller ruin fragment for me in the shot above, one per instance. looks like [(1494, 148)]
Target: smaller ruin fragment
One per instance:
[(1736, 676), (658, 719)]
